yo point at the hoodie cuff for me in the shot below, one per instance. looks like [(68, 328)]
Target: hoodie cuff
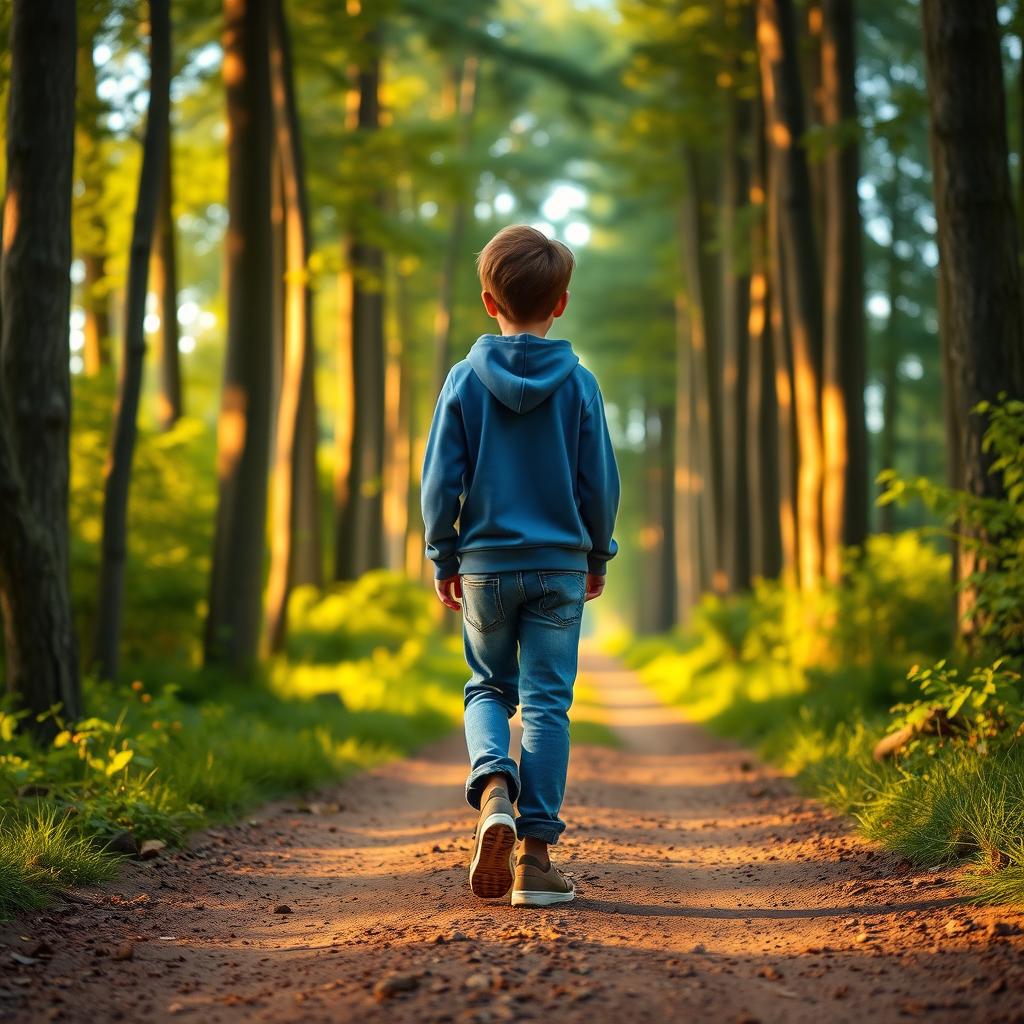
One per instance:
[(446, 568), (597, 566)]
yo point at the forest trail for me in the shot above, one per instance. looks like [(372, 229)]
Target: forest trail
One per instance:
[(707, 888)]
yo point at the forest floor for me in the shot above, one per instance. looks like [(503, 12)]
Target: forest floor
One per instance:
[(706, 887)]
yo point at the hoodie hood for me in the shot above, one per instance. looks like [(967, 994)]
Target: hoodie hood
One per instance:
[(521, 370)]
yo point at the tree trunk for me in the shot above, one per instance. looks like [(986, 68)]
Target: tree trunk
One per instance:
[(243, 435), (298, 349), (761, 417), (95, 296), (890, 357), (981, 310), (361, 533), (114, 550), (780, 83), (736, 527), (703, 382), (165, 285), (844, 496), (684, 506), (344, 422), (308, 562), (398, 386), (466, 107), (40, 647)]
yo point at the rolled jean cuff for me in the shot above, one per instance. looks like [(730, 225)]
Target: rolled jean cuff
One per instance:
[(544, 831), (499, 766)]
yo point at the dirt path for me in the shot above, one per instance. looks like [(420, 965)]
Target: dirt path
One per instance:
[(707, 889)]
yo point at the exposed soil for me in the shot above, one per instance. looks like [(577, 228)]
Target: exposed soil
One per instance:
[(707, 889)]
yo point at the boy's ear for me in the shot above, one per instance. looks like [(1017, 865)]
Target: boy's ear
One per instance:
[(489, 304), (560, 306)]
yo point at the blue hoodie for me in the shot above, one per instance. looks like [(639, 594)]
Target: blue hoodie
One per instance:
[(519, 438)]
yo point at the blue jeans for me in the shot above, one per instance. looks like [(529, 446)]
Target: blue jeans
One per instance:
[(538, 612)]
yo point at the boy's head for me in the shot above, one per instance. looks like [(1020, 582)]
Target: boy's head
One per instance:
[(525, 275)]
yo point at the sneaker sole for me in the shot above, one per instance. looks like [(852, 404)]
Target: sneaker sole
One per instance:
[(525, 898), (490, 874)]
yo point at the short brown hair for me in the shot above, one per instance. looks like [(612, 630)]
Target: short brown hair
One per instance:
[(525, 271)]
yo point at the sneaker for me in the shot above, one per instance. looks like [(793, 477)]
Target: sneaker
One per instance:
[(490, 873), (536, 886)]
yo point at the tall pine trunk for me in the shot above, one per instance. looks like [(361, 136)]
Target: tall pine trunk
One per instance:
[(164, 270), (736, 527), (298, 349), (40, 648), (243, 433), (761, 417), (466, 91), (980, 300), (684, 505), (114, 549), (780, 83), (95, 296), (844, 495), (360, 533)]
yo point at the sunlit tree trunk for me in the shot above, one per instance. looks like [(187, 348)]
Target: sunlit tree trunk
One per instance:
[(466, 91), (810, 39), (736, 510), (780, 83), (362, 530), (844, 493), (164, 271), (981, 313), (344, 421), (761, 419), (297, 395), (703, 381), (684, 507), (243, 434), (95, 296), (40, 648), (890, 355), (114, 549), (399, 386)]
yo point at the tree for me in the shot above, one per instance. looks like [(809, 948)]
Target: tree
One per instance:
[(981, 315), (298, 349), (164, 270), (40, 647), (243, 433), (844, 497), (780, 84), (94, 169), (358, 533), (122, 447)]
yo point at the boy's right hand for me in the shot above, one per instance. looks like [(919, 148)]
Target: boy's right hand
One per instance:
[(448, 590), (595, 586)]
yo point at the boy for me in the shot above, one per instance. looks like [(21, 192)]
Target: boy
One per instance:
[(519, 437)]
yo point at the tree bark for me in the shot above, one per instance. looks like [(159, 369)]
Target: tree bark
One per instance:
[(114, 549), (684, 505), (891, 348), (736, 526), (780, 83), (40, 647), (298, 348), (845, 484), (243, 441), (398, 387), (466, 107), (703, 383), (164, 270), (981, 309), (360, 536), (761, 417), (95, 296)]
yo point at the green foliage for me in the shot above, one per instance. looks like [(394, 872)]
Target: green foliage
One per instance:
[(991, 528), (984, 711)]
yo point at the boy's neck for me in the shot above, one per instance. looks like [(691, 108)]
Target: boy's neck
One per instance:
[(539, 329)]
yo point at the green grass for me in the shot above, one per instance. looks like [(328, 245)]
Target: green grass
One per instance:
[(808, 682)]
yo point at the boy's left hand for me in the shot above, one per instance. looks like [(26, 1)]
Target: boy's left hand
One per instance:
[(448, 590)]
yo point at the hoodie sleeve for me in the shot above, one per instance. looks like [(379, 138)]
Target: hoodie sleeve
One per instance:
[(444, 465), (598, 484)]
